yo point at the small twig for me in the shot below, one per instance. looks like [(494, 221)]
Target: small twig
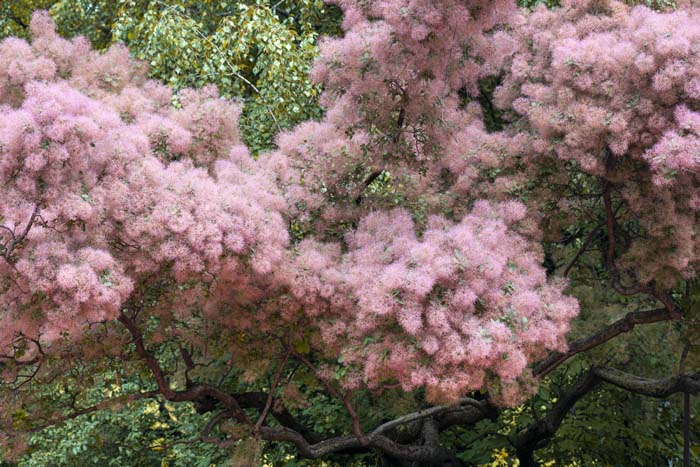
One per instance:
[(211, 424), (189, 363), (684, 355), (7, 253), (583, 248), (335, 393), (270, 396)]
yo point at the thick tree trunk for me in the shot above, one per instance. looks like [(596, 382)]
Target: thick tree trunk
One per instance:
[(527, 458)]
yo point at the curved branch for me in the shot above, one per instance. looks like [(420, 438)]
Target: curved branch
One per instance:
[(432, 412), (537, 434), (623, 325), (257, 400), (17, 239), (193, 393), (335, 393), (271, 395), (212, 423), (659, 388), (425, 454)]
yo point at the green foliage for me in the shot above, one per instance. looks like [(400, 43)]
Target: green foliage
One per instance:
[(655, 4), (535, 3), (146, 433), (15, 14), (138, 437), (251, 51), (258, 51)]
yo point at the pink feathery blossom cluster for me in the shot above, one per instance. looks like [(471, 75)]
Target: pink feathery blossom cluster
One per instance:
[(457, 299), (114, 199), (106, 186), (444, 311), (393, 89), (614, 90)]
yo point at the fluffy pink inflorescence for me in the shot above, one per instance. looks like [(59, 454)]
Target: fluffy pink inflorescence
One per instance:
[(440, 312), (106, 186), (394, 87), (401, 268), (614, 91), (434, 288)]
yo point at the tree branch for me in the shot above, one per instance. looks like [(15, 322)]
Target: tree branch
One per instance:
[(271, 395), (373, 176), (425, 454), (583, 248), (335, 393), (193, 393), (18, 21), (257, 400), (9, 248), (432, 412), (659, 388), (537, 434), (623, 325)]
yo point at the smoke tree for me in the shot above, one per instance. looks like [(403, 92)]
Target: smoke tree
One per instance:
[(605, 94), (436, 288), (395, 246), (626, 119)]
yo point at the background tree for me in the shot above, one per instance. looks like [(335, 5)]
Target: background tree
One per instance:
[(187, 44)]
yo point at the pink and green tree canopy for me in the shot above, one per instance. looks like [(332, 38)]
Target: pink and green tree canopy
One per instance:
[(396, 244)]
